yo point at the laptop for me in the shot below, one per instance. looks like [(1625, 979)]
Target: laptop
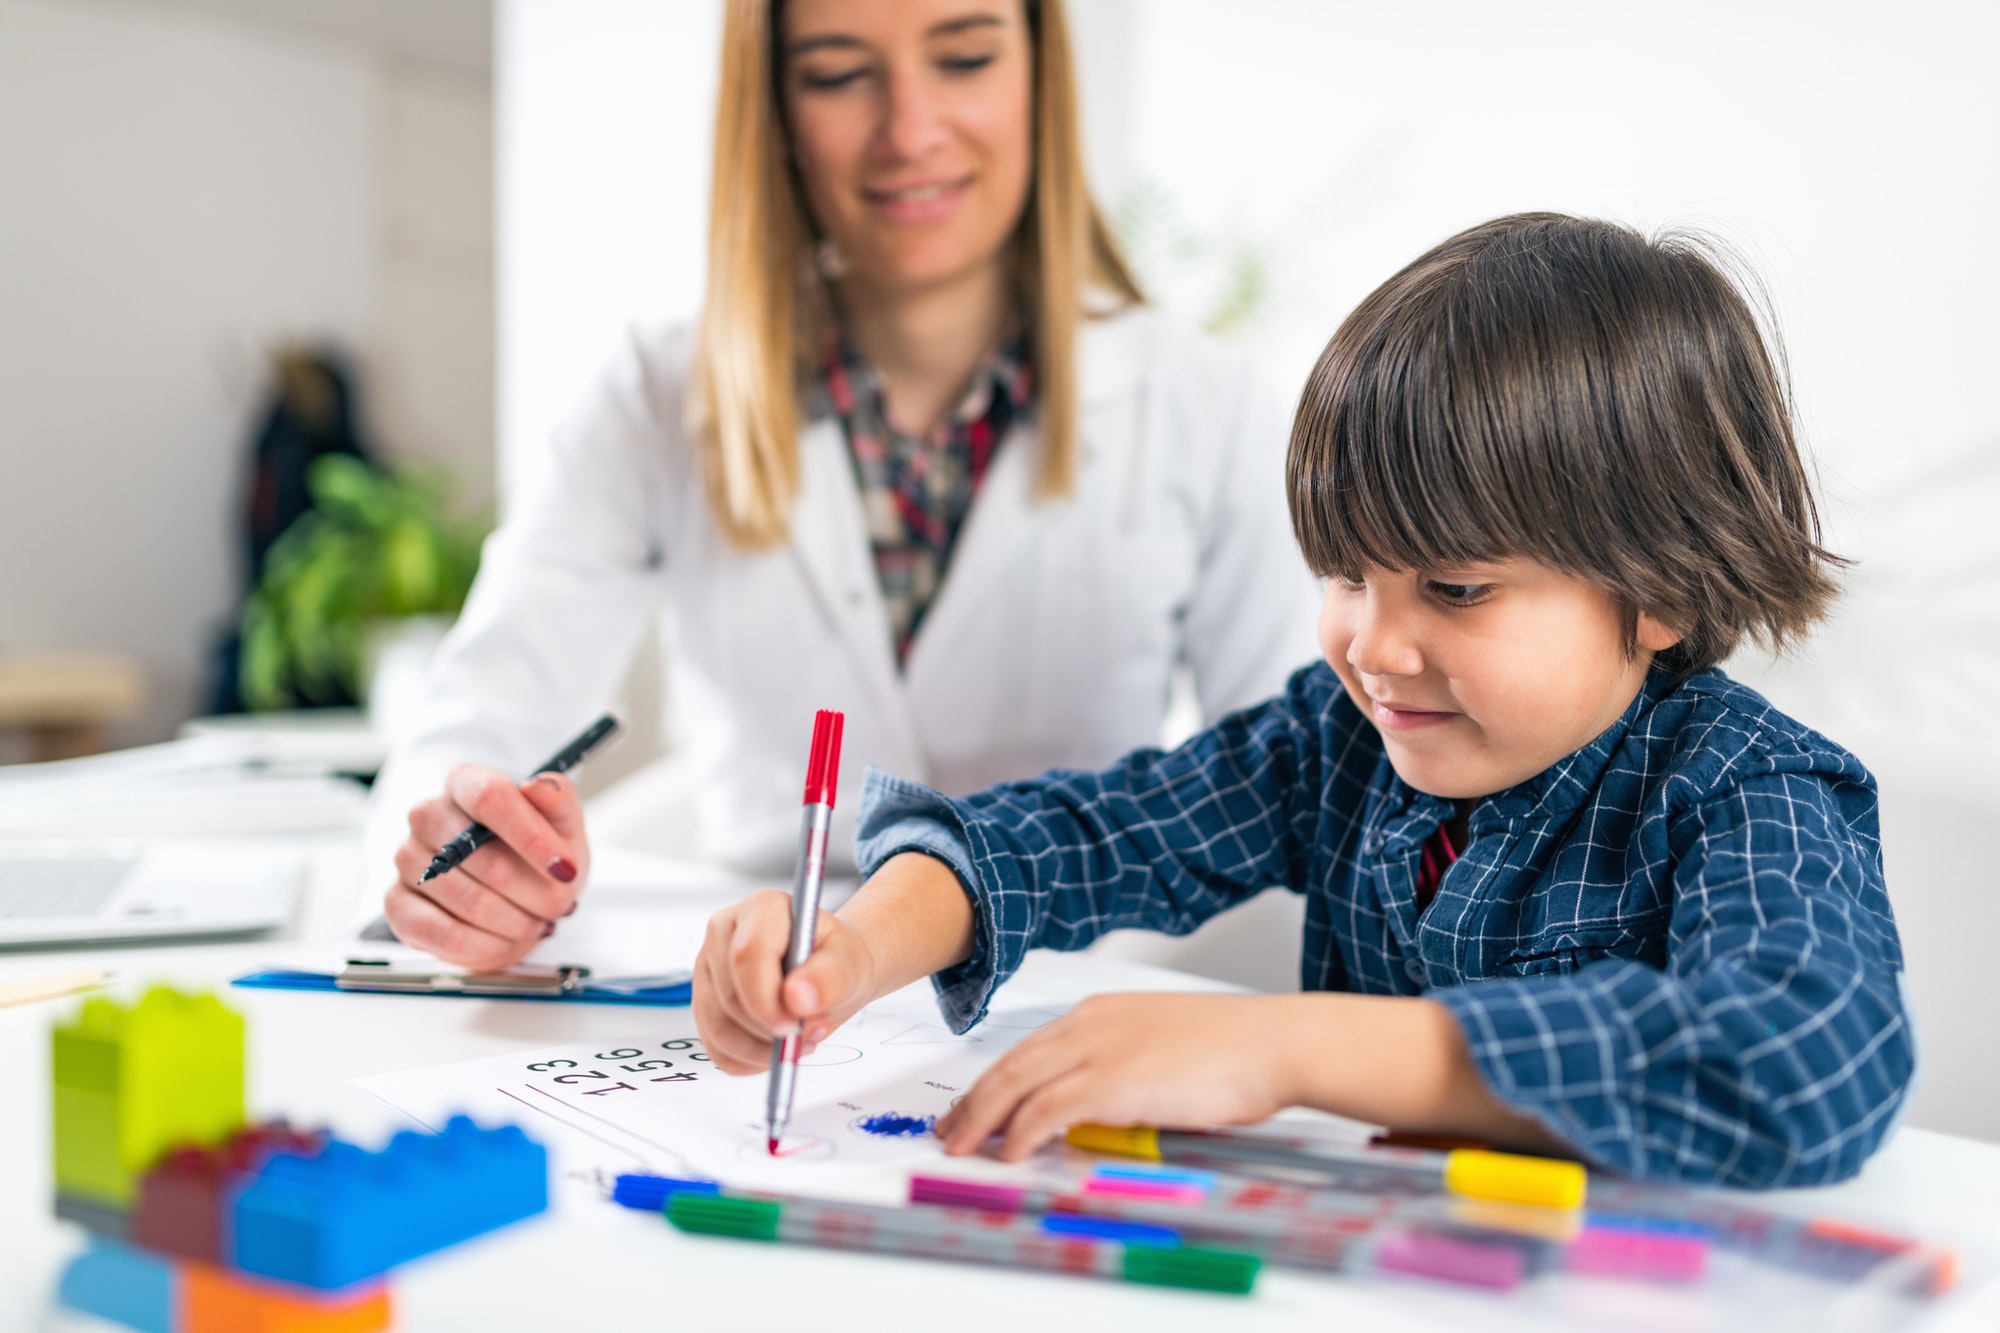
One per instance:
[(82, 892)]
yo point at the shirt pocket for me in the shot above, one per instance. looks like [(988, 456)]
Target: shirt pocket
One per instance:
[(1560, 952)]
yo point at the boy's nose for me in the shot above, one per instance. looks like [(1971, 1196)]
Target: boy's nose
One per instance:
[(1380, 647)]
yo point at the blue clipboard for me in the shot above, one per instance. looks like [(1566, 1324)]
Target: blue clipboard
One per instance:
[(567, 983)]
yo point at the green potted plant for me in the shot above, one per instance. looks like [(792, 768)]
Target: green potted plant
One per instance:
[(376, 549)]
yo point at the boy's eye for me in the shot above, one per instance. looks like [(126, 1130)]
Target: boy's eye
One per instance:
[(1458, 594), (1349, 582)]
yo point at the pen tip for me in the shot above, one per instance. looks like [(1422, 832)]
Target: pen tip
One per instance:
[(773, 1145)]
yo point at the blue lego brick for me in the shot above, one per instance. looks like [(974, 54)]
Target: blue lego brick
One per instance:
[(127, 1286), (348, 1215)]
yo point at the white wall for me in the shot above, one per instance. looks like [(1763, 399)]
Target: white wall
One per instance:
[(178, 191), (604, 112)]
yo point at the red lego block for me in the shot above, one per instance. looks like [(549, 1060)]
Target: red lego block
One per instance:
[(213, 1300), (183, 1202)]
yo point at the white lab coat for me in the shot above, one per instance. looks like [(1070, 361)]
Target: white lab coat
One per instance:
[(1050, 642)]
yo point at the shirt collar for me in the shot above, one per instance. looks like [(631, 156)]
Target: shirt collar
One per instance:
[(847, 382)]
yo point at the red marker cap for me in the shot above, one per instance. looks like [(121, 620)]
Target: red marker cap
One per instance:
[(823, 768)]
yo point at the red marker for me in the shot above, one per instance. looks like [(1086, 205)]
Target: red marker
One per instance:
[(822, 780)]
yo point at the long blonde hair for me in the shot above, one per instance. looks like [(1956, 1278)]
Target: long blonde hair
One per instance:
[(766, 308)]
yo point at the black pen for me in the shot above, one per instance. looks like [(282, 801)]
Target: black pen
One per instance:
[(476, 836)]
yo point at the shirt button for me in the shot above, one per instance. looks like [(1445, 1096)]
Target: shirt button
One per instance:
[(1415, 970), (1372, 844)]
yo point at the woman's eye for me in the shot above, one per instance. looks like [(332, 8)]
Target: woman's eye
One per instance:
[(965, 64), (1459, 594), (822, 80)]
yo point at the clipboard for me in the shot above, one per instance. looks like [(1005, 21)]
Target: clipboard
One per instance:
[(523, 982)]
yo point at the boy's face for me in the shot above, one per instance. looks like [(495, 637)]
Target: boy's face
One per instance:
[(1482, 676)]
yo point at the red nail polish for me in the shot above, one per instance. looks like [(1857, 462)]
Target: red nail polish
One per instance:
[(548, 929), (563, 869)]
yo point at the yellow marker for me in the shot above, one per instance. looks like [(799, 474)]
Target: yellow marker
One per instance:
[(1510, 1178), (1471, 1173), (1131, 1141)]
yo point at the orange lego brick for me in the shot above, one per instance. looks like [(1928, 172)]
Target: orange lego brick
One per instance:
[(214, 1300)]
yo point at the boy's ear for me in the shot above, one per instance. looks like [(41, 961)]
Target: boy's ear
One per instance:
[(1656, 635)]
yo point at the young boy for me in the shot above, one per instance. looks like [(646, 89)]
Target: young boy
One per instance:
[(1568, 887)]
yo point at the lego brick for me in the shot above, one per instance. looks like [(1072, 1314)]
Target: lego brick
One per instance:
[(123, 1285), (86, 1148), (348, 1215), (214, 1300), (91, 1215), (133, 1081), (183, 1201)]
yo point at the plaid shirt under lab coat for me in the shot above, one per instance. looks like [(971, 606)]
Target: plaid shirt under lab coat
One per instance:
[(1674, 947)]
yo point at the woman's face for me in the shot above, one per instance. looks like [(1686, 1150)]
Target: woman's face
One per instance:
[(911, 124)]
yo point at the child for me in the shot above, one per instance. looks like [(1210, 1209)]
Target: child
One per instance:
[(1567, 886)]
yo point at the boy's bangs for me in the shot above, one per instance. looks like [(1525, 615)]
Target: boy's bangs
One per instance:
[(1392, 469)]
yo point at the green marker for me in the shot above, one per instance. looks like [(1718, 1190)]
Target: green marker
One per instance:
[(1135, 1254)]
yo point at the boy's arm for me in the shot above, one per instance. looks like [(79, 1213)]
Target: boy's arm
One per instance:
[(1771, 1050), (1156, 841)]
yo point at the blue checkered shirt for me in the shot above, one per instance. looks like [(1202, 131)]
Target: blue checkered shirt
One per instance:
[(1673, 948)]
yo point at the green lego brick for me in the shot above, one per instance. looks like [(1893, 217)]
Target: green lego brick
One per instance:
[(87, 1148), (86, 1051), (131, 1083)]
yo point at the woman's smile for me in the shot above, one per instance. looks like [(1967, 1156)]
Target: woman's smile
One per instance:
[(924, 201)]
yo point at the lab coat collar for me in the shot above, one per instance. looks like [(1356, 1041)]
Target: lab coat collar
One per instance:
[(829, 532), (829, 539)]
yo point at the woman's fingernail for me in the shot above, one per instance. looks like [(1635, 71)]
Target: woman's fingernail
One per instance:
[(571, 911), (548, 929), (563, 869), (806, 994)]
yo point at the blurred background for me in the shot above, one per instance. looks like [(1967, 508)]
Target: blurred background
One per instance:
[(237, 236)]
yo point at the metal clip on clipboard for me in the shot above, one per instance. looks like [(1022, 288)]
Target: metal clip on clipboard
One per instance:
[(524, 980)]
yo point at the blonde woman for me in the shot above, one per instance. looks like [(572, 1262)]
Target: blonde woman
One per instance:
[(926, 457)]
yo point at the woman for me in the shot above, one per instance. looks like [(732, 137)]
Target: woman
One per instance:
[(925, 458)]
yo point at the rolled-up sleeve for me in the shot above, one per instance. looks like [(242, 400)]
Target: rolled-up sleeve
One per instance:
[(1771, 1049)]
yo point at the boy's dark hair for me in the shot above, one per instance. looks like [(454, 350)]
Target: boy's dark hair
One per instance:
[(1575, 393)]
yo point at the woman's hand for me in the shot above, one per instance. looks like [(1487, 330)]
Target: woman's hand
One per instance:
[(742, 997), (505, 898), (1190, 1061)]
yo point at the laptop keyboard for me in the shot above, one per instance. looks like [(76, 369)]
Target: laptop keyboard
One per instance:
[(47, 886)]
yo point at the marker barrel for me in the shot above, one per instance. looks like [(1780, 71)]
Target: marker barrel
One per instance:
[(961, 1234)]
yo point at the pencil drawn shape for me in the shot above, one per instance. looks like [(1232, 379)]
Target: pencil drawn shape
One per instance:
[(925, 1034), (795, 1147), (830, 1055), (1022, 1018)]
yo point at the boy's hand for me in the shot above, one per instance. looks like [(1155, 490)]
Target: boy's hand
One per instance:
[(742, 997), (1186, 1061), (497, 904)]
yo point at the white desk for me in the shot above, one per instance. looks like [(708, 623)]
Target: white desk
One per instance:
[(596, 1267)]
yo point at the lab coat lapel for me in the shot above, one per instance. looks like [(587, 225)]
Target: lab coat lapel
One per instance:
[(1007, 516), (829, 539)]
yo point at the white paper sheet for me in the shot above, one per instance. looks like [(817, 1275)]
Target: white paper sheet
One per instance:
[(652, 1102)]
